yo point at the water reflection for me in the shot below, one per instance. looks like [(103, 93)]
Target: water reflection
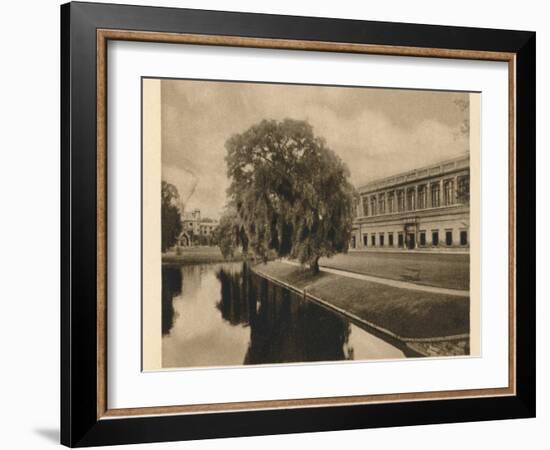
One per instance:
[(171, 287), (223, 314), (283, 327)]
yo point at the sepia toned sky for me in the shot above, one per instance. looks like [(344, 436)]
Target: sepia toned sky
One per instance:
[(376, 132)]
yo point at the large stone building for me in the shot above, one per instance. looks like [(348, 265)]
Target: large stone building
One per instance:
[(194, 227), (426, 208)]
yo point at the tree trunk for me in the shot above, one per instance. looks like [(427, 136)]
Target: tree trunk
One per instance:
[(315, 265)]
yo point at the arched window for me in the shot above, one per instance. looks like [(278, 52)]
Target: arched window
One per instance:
[(400, 201), (410, 199), (435, 195), (422, 197), (365, 201), (449, 192), (391, 206), (381, 204), (373, 205)]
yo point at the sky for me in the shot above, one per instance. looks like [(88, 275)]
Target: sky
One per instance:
[(376, 132)]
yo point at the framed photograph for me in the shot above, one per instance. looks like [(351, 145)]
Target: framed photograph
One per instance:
[(277, 224)]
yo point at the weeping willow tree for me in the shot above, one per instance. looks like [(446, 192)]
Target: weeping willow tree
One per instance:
[(230, 234), (291, 192)]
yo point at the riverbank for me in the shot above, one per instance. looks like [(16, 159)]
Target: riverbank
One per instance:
[(450, 270), (430, 324), (197, 255)]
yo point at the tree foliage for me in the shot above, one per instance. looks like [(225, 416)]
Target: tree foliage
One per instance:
[(291, 192), (170, 216), (230, 234), (463, 190)]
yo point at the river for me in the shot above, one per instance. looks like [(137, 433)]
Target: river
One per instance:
[(225, 315)]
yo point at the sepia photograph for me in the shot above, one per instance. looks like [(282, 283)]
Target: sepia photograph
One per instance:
[(289, 223)]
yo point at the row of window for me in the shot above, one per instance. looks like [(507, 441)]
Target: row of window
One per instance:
[(408, 200), (409, 239), (206, 229), (203, 229)]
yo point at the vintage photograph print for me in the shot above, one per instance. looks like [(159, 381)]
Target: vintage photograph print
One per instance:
[(287, 223)]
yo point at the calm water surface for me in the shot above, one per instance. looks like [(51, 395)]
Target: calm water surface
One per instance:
[(223, 314)]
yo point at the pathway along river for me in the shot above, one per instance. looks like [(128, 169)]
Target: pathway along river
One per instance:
[(225, 315)]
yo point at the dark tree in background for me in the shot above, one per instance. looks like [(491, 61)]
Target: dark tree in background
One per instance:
[(170, 216), (463, 190), (291, 192), (463, 187)]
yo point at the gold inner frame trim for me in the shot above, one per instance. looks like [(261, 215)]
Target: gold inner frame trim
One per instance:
[(103, 36)]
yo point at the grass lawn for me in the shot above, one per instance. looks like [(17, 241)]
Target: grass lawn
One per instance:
[(409, 314), (448, 270), (197, 255)]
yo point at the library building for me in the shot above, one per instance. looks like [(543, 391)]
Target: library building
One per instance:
[(426, 208)]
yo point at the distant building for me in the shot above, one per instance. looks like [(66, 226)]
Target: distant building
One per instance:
[(426, 208), (194, 226), (191, 221)]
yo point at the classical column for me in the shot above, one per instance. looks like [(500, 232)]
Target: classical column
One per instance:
[(455, 190), (425, 195), (441, 192)]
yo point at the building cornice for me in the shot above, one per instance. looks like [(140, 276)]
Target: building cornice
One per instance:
[(412, 176), (412, 216)]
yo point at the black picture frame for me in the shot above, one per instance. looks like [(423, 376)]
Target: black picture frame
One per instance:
[(80, 425)]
